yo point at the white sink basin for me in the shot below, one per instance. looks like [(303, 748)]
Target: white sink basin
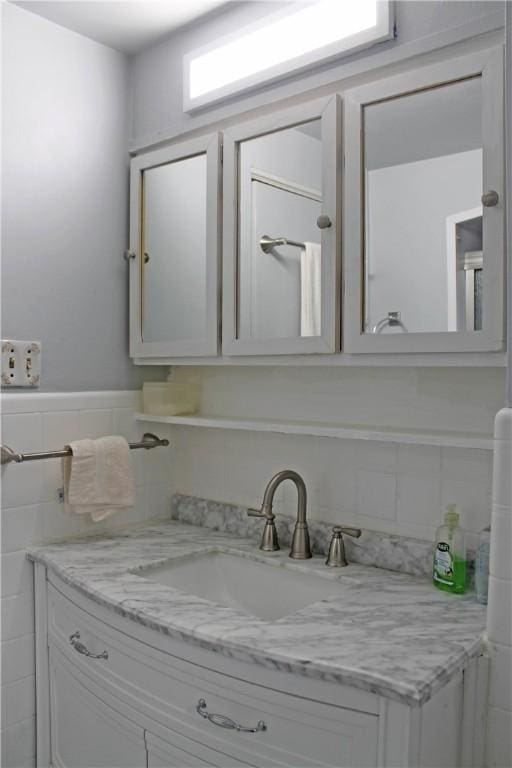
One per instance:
[(265, 591)]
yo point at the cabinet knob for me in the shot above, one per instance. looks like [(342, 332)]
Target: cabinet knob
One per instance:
[(323, 222), (129, 255), (490, 198)]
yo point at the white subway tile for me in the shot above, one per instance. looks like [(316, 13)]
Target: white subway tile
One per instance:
[(158, 501), (335, 478), (381, 457), (21, 526), (20, 700), (499, 610), (124, 424), (60, 427), (500, 690), (46, 402), (502, 473), (17, 616), (19, 744), (501, 538), (419, 459), (467, 463), (499, 738), (18, 658), (419, 498), (376, 494), (17, 574), (22, 484), (474, 499), (59, 522)]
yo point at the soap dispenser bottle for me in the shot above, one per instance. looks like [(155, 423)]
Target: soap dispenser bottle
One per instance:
[(449, 573)]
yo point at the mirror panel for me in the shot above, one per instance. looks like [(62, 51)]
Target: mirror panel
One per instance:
[(423, 241), (279, 268), (174, 247)]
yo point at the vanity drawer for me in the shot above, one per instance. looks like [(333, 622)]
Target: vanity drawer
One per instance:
[(165, 691)]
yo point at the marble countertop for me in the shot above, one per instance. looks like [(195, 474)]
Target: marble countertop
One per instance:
[(384, 632)]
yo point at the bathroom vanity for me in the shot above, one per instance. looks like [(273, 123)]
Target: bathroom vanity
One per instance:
[(138, 635)]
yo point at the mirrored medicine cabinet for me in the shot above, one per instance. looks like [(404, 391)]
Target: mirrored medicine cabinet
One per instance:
[(280, 246), (174, 250), (406, 190), (424, 198)]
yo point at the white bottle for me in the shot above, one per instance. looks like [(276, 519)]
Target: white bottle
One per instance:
[(482, 566)]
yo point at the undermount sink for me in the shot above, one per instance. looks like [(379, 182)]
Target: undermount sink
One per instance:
[(265, 591)]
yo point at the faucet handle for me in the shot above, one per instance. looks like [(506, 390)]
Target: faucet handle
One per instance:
[(354, 532), (336, 556), (269, 539), (255, 512)]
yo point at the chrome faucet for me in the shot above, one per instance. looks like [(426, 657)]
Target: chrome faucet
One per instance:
[(300, 549)]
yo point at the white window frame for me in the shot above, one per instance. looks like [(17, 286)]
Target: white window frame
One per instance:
[(383, 30), (329, 112), (489, 65), (211, 146), (451, 260)]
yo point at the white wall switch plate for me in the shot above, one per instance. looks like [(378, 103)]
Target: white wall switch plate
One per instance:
[(21, 363)]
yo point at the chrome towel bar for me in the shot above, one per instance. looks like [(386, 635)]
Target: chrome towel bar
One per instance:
[(267, 243), (7, 454)]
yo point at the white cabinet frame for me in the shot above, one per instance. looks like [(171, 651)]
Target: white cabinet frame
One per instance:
[(329, 112), (211, 146), (489, 65)]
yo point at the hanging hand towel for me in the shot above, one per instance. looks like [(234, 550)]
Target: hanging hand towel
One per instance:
[(311, 290), (98, 477)]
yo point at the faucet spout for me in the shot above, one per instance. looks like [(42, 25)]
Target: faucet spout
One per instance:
[(300, 548)]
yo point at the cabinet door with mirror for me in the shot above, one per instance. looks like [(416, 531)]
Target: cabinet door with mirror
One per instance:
[(281, 247), (174, 256), (424, 210)]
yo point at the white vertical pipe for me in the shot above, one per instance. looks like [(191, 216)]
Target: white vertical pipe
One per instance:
[(499, 609), (508, 192)]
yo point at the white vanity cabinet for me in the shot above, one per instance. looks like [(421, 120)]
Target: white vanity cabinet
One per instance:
[(122, 695)]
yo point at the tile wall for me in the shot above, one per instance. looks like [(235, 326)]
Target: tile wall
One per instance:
[(379, 486), (400, 489), (499, 614), (31, 513)]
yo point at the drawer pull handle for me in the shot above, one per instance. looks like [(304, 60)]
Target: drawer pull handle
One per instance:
[(226, 722), (80, 648)]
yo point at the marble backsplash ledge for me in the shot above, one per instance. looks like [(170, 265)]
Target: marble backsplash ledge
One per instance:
[(395, 553)]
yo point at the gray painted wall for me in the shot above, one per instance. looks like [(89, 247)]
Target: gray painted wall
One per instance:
[(407, 236), (65, 203), (156, 73)]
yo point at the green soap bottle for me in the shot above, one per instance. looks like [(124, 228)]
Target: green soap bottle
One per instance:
[(449, 573)]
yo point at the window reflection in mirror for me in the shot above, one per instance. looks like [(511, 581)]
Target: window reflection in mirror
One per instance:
[(423, 212), (279, 259), (174, 248)]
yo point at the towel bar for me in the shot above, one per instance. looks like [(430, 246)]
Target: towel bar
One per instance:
[(7, 454), (267, 243)]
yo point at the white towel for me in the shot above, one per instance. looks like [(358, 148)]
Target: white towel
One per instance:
[(98, 477), (311, 290)]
